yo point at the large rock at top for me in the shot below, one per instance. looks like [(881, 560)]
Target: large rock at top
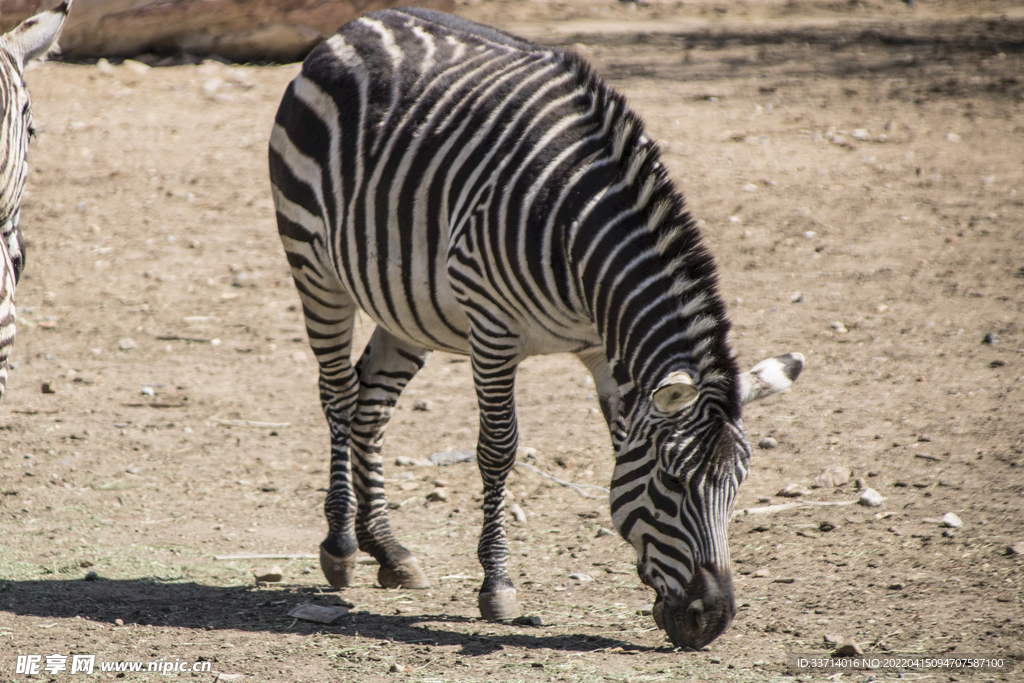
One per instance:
[(279, 30)]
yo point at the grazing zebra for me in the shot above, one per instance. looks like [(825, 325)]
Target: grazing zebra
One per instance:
[(478, 194), (32, 39)]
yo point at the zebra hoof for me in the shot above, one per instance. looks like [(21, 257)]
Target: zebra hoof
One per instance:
[(339, 571), (500, 605), (405, 574)]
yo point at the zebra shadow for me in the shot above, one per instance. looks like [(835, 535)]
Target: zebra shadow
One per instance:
[(189, 605)]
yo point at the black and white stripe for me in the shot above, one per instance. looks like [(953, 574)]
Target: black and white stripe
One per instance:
[(32, 39), (476, 193)]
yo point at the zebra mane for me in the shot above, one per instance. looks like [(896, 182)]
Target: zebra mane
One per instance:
[(675, 235)]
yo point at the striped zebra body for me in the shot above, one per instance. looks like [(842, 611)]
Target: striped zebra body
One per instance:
[(32, 39), (478, 194)]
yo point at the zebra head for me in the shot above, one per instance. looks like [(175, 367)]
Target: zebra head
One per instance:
[(32, 39), (682, 459)]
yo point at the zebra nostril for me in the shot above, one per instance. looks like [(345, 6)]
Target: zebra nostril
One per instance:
[(695, 614)]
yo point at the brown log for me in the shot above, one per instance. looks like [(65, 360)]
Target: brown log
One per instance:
[(276, 30)]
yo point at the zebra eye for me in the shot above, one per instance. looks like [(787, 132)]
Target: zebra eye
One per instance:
[(670, 481)]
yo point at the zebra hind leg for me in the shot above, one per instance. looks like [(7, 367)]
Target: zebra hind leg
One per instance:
[(494, 376), (386, 367)]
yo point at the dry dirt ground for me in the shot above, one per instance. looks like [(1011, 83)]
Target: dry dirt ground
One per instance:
[(858, 168)]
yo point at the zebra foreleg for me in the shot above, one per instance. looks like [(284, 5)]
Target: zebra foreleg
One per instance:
[(386, 367), (494, 376)]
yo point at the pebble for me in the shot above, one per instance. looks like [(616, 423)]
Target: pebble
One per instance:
[(839, 327), (826, 526), (453, 457), (601, 531), (403, 461), (762, 573), (271, 574), (768, 443), (953, 137), (148, 391), (948, 533), (126, 344), (438, 495), (92, 576), (831, 639), (646, 610), (833, 476), (990, 339), (870, 498), (861, 134), (861, 484), (397, 668), (764, 499), (118, 622), (793, 491), (796, 297), (1015, 548), (951, 521), (582, 578), (517, 513), (48, 388), (848, 649), (423, 405)]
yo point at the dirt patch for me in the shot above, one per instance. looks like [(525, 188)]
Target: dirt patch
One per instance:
[(859, 175)]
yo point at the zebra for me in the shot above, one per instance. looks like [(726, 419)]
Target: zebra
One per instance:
[(31, 39), (475, 193)]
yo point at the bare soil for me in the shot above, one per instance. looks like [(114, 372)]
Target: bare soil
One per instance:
[(859, 168)]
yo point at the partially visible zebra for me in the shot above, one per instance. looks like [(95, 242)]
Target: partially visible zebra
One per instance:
[(32, 39), (478, 194)]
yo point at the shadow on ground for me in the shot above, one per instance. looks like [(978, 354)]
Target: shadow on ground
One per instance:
[(153, 602)]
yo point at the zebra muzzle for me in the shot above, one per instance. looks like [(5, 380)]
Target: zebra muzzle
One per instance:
[(695, 619)]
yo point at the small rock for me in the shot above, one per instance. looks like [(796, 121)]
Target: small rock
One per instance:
[(126, 344), (715, 660), (529, 621), (271, 574), (85, 564), (762, 573), (831, 477), (403, 461), (793, 491), (440, 483), (48, 387), (990, 339), (438, 495), (951, 521), (148, 391), (397, 668), (953, 137), (601, 532), (92, 576), (320, 614), (1015, 548), (861, 484), (218, 342), (646, 610), (948, 533), (997, 363), (229, 677), (826, 526), (517, 513), (861, 134), (796, 297), (453, 457), (830, 639), (423, 405), (848, 649), (764, 499), (768, 443), (118, 622), (582, 578), (839, 327), (870, 498)]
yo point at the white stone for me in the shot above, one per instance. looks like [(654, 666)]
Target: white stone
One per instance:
[(870, 498), (950, 520)]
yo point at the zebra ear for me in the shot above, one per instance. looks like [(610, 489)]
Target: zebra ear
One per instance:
[(37, 35), (674, 393), (770, 377)]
